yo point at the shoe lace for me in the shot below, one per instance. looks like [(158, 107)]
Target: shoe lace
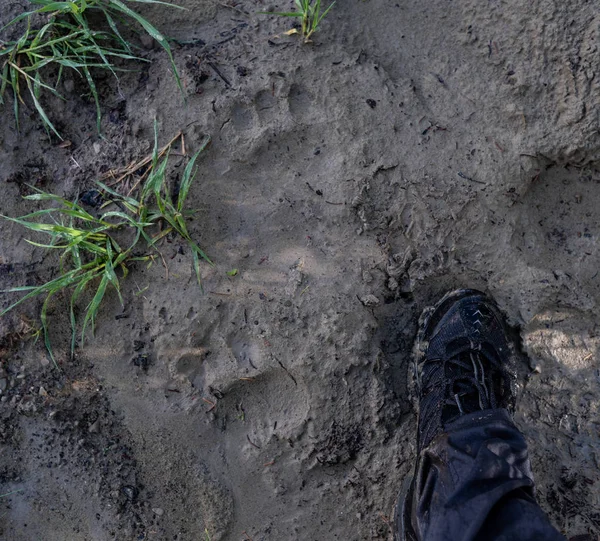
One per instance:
[(469, 382), (469, 372)]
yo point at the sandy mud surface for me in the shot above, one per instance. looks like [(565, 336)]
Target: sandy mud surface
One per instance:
[(414, 147)]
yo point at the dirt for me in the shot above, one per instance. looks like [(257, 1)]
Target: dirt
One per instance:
[(411, 148)]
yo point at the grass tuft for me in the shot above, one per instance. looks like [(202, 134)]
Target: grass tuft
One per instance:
[(97, 249), (309, 11), (70, 39)]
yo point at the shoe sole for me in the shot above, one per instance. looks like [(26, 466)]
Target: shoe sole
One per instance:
[(403, 530)]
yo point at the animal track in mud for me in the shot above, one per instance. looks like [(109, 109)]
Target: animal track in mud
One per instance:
[(266, 105), (190, 365), (299, 101), (558, 227), (261, 411), (265, 108), (245, 351), (242, 117)]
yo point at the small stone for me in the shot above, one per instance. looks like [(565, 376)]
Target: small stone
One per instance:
[(3, 384), (69, 85), (44, 361), (94, 427), (130, 492), (392, 284), (96, 147), (43, 392), (369, 300), (92, 198), (158, 511)]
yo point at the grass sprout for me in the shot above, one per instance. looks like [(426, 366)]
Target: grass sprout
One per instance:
[(70, 39), (97, 249), (309, 11)]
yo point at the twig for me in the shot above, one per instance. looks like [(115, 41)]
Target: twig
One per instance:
[(462, 175), (212, 405), (216, 70), (251, 442), (134, 166)]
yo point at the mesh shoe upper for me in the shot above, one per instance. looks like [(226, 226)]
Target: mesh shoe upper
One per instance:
[(464, 362)]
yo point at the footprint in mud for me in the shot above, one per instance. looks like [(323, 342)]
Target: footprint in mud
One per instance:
[(190, 365), (272, 407), (299, 101), (266, 105), (558, 225), (185, 370), (241, 117), (246, 353)]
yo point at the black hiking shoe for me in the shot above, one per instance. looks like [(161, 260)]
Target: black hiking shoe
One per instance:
[(463, 364)]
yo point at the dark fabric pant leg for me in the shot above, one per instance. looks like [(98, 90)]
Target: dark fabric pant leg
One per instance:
[(474, 483)]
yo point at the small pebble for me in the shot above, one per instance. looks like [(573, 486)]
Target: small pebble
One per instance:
[(96, 147), (94, 427), (130, 492), (158, 511), (369, 300)]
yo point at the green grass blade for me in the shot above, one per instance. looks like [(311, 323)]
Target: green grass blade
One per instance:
[(92, 310), (197, 250), (188, 176), (55, 6), (325, 13), (33, 93), (94, 91), (44, 320), (48, 246), (14, 82), (130, 200), (115, 29), (153, 32), (157, 2), (54, 285), (196, 264), (4, 78)]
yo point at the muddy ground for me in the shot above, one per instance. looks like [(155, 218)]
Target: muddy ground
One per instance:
[(413, 147)]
